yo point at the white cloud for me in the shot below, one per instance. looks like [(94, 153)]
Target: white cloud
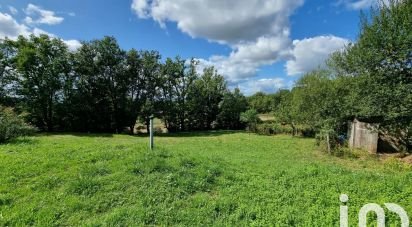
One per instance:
[(269, 85), (309, 54), (141, 8), (41, 16), (256, 30), (360, 4), (13, 10), (38, 31), (73, 44), (230, 21), (10, 28), (246, 58)]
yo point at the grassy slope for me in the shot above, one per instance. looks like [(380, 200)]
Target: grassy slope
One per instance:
[(191, 179)]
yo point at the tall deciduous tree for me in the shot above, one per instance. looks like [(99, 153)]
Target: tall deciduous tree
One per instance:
[(205, 96), (102, 84), (136, 86), (151, 67), (230, 108), (177, 78), (4, 64), (42, 64)]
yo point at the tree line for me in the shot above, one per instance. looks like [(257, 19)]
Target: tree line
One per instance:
[(103, 88)]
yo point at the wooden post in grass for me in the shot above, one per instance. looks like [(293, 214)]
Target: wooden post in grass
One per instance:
[(328, 142), (151, 144)]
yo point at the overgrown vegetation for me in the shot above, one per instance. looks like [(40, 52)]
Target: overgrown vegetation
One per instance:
[(12, 125), (370, 79), (191, 179)]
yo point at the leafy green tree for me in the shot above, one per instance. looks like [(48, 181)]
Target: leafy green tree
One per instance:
[(171, 71), (136, 84), (381, 63), (12, 125), (4, 64), (233, 104), (177, 77), (262, 103), (288, 109), (182, 88), (42, 63), (204, 98), (151, 71), (102, 83), (251, 119)]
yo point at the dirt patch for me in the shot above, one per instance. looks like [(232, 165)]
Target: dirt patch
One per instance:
[(400, 156), (408, 159)]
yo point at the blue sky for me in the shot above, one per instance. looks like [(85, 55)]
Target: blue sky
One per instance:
[(258, 45)]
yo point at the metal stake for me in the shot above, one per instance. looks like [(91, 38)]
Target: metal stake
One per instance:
[(151, 132)]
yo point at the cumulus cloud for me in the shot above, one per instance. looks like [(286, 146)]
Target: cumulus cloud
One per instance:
[(268, 85), (308, 54), (38, 31), (38, 15), (360, 4), (256, 30), (246, 58), (10, 28), (229, 21), (73, 44), (141, 8)]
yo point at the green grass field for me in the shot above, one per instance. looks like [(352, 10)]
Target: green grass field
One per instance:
[(216, 178)]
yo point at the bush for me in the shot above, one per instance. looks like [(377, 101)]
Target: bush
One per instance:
[(251, 118), (273, 129), (306, 131), (264, 129), (328, 140), (12, 125), (282, 129)]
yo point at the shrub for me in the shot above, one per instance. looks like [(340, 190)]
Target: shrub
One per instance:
[(328, 140), (272, 128), (281, 129), (12, 125), (158, 130), (264, 129), (306, 131), (251, 118)]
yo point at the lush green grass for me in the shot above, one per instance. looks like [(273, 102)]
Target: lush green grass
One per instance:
[(221, 178)]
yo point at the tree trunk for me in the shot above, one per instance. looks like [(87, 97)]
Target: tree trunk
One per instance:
[(148, 125), (49, 114), (182, 124), (293, 129), (328, 142), (131, 128)]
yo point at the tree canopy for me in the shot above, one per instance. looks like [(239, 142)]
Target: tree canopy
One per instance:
[(103, 88)]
